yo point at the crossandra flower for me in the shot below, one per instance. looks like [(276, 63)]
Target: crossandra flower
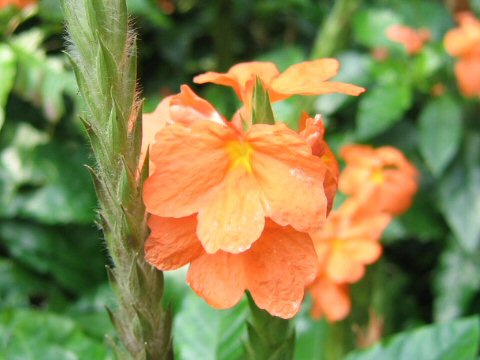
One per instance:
[(18, 3), (235, 180), (306, 78), (348, 242), (237, 204), (380, 183), (413, 40), (464, 42), (382, 179), (330, 299)]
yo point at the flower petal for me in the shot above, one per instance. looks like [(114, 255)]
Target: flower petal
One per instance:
[(341, 269), (467, 72), (289, 175), (152, 123), (329, 299), (308, 78), (241, 77), (189, 163), (218, 278), (235, 216), (187, 107), (364, 251), (172, 243), (279, 266)]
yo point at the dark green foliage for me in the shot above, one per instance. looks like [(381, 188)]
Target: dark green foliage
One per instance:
[(53, 286)]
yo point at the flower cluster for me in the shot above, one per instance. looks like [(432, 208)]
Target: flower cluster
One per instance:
[(464, 43), (380, 183), (413, 40), (237, 200)]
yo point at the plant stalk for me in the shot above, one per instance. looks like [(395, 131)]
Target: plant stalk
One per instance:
[(102, 50)]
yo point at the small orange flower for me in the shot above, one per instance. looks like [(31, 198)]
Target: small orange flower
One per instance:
[(276, 269), (464, 43), (307, 78), (348, 242), (18, 3), (382, 179), (412, 40), (331, 299)]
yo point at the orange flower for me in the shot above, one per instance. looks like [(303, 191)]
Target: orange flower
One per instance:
[(381, 179), (413, 40), (234, 180), (18, 3), (467, 72), (276, 269), (313, 131), (331, 300), (464, 42), (235, 204), (348, 242), (307, 78)]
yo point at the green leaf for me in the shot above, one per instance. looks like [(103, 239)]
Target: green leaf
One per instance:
[(459, 195), (201, 332), (72, 255), (456, 282), (41, 79), (446, 341), (262, 112), (284, 57), (38, 335), (7, 77), (311, 338), (44, 180), (90, 313), (381, 107), (20, 287), (440, 132), (370, 26)]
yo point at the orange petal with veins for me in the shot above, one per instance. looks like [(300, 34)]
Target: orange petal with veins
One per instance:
[(309, 78), (329, 299), (289, 176), (172, 242), (235, 216), (190, 162), (279, 266), (218, 278)]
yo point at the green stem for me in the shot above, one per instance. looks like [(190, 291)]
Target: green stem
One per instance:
[(269, 337), (331, 37), (103, 54), (332, 33)]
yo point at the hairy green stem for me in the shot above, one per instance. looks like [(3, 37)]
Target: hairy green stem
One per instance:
[(102, 49)]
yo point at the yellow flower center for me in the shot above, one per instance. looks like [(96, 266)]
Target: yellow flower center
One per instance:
[(377, 176), (240, 154)]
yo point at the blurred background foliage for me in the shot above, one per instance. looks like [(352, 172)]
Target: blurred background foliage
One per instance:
[(53, 285)]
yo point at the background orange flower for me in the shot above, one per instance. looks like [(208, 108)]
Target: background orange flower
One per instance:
[(412, 40)]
